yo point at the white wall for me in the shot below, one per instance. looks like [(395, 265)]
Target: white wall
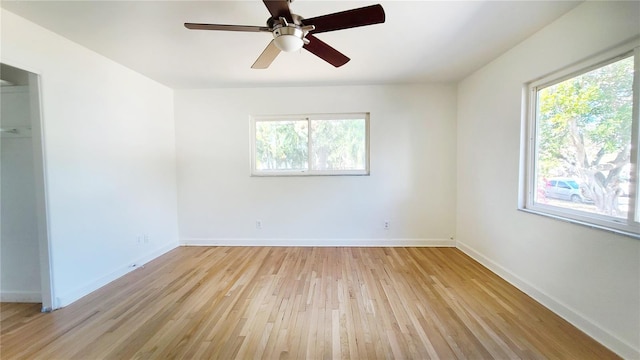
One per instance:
[(412, 181), (590, 277), (110, 159), (19, 256)]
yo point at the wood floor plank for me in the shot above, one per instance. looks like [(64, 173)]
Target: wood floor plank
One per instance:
[(299, 303)]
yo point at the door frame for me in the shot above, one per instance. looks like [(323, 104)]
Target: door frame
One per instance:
[(40, 177), (42, 208)]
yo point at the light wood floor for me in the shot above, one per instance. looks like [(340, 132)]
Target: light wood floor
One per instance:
[(278, 303)]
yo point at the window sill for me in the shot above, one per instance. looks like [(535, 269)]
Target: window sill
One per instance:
[(582, 223), (308, 173)]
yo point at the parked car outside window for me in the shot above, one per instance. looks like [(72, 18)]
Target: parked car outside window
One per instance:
[(564, 189)]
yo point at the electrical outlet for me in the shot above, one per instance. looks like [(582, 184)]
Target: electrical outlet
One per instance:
[(258, 224), (387, 225), (139, 239), (146, 238)]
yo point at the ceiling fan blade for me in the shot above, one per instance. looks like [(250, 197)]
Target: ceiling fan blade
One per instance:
[(368, 15), (266, 58), (194, 26), (278, 9), (325, 52)]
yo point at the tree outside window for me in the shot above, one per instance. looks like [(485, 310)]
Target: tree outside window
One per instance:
[(329, 144), (584, 132)]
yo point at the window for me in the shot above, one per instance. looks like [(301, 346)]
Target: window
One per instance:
[(321, 144), (582, 143)]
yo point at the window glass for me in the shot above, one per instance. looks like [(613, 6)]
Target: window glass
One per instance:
[(338, 144), (584, 133), (323, 144), (281, 145)]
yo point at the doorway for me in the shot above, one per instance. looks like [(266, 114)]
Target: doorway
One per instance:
[(25, 274)]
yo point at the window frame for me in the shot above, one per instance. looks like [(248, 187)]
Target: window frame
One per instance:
[(530, 143), (310, 118)]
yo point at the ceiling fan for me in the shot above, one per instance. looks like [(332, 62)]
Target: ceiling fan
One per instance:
[(291, 32)]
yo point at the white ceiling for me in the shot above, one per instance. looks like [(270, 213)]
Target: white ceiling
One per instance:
[(421, 41)]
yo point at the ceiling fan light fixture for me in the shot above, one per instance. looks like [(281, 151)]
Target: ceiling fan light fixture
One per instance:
[(288, 38)]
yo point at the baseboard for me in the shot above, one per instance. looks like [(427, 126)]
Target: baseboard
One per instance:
[(62, 300), (580, 321), (21, 296), (321, 242)]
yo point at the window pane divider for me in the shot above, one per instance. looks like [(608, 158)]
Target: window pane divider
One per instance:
[(634, 213)]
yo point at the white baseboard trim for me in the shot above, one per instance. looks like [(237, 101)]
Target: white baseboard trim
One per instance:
[(321, 242), (580, 321), (21, 296), (65, 299)]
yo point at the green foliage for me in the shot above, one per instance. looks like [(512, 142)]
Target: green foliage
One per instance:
[(338, 144), (281, 145), (584, 127), (335, 144)]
